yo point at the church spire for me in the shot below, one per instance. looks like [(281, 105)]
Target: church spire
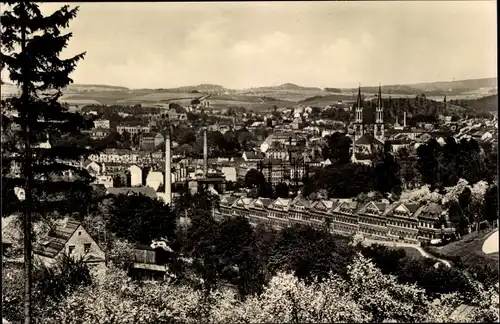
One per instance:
[(359, 102), (379, 119), (379, 99), (358, 120)]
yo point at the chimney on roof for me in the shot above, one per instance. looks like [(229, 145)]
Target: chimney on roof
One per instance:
[(168, 170)]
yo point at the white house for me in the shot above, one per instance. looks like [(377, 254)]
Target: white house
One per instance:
[(229, 173), (93, 168), (105, 180), (155, 179), (102, 123), (135, 176)]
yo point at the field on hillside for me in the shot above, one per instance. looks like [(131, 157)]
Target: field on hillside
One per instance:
[(160, 96), (287, 95), (104, 97)]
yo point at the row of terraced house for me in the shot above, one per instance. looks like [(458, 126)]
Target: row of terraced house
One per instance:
[(411, 223)]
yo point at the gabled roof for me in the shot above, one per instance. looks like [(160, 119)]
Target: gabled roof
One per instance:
[(281, 203), (378, 206), (230, 199), (431, 210), (261, 203), (347, 203), (243, 202), (56, 239), (409, 209), (323, 205), (300, 201)]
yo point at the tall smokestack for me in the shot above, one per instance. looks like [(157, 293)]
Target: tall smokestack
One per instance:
[(205, 153), (168, 170), (404, 119)]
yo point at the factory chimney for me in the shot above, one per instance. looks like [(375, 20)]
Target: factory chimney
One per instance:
[(404, 119), (205, 153), (168, 170)]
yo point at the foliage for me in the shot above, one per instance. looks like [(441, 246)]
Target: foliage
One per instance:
[(442, 166), (51, 287), (41, 75), (387, 174), (254, 179), (140, 219), (491, 204), (309, 253), (282, 190), (338, 148), (345, 181), (364, 295)]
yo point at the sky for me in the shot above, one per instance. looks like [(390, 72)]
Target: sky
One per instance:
[(242, 45)]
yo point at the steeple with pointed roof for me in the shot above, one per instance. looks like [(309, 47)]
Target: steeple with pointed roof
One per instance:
[(379, 119), (444, 108), (358, 120)]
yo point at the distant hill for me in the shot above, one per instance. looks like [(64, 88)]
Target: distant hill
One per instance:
[(462, 85), (285, 87), (482, 105), (94, 87), (458, 87), (200, 88)]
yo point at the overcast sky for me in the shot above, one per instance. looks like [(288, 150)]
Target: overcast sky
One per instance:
[(239, 45)]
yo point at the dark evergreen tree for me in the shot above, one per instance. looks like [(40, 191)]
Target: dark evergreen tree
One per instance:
[(30, 47), (140, 219), (282, 190), (491, 204)]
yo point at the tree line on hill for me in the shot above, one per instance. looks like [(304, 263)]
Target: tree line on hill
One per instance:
[(421, 109), (480, 107)]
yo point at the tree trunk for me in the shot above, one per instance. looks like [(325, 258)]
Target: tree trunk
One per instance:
[(27, 187)]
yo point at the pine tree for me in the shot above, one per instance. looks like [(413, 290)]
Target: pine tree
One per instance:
[(30, 48)]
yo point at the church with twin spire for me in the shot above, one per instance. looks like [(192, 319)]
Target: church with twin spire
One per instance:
[(368, 136)]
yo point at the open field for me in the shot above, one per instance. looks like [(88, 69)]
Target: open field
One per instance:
[(287, 95), (160, 96)]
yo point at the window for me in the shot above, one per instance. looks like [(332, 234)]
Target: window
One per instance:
[(71, 249), (79, 232), (86, 247)]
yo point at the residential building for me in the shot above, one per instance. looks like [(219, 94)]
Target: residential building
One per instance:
[(105, 180), (135, 176), (102, 123), (150, 141), (229, 173), (71, 239), (380, 220), (133, 130), (99, 133), (115, 156)]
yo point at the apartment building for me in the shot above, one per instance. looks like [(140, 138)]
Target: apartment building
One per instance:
[(132, 130), (411, 223)]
